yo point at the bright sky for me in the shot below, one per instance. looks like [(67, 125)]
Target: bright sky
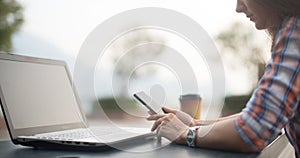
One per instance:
[(66, 23)]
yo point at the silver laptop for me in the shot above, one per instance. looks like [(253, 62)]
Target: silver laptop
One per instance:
[(42, 110)]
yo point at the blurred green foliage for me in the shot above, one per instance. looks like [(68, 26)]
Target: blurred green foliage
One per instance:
[(111, 105), (235, 104), (11, 19)]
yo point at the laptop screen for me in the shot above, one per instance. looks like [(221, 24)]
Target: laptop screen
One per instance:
[(38, 94)]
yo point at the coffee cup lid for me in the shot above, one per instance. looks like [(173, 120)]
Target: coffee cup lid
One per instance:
[(189, 96)]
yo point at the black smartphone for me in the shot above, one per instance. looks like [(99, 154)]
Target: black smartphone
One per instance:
[(146, 100)]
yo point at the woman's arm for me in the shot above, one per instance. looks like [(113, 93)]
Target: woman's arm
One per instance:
[(188, 120), (208, 122), (219, 135), (222, 135)]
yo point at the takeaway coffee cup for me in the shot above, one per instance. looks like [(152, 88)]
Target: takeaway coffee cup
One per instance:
[(191, 104)]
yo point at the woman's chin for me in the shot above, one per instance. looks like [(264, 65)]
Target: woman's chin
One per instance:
[(259, 27)]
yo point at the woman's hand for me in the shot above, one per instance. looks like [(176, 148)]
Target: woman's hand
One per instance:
[(189, 121), (182, 116), (170, 127)]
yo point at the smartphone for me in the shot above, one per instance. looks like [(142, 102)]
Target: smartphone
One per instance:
[(146, 100)]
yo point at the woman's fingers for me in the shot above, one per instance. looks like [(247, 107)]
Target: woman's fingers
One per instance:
[(157, 123), (168, 110), (155, 116), (161, 120), (170, 127)]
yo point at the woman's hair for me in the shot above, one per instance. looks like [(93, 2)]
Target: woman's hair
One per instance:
[(282, 8)]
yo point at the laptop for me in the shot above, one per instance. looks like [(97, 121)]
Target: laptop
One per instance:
[(42, 110)]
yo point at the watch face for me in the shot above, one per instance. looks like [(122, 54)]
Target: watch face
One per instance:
[(190, 134), (191, 138)]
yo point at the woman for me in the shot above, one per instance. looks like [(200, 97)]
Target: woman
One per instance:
[(274, 103)]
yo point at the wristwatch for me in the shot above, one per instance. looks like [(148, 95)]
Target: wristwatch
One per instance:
[(191, 136)]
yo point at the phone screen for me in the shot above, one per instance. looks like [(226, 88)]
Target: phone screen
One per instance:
[(146, 100)]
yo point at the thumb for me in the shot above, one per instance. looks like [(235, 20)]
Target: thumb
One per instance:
[(169, 110)]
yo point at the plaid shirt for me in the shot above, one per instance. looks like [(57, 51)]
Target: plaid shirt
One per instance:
[(274, 103)]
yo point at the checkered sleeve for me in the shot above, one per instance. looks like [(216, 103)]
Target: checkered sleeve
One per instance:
[(276, 98)]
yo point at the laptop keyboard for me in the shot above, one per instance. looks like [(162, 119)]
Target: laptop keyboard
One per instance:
[(85, 133), (67, 135)]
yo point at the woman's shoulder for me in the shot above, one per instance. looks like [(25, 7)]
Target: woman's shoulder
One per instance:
[(288, 38), (290, 22)]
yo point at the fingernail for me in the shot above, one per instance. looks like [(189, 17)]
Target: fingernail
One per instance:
[(152, 129)]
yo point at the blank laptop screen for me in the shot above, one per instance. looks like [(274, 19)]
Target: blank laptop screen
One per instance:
[(38, 94)]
